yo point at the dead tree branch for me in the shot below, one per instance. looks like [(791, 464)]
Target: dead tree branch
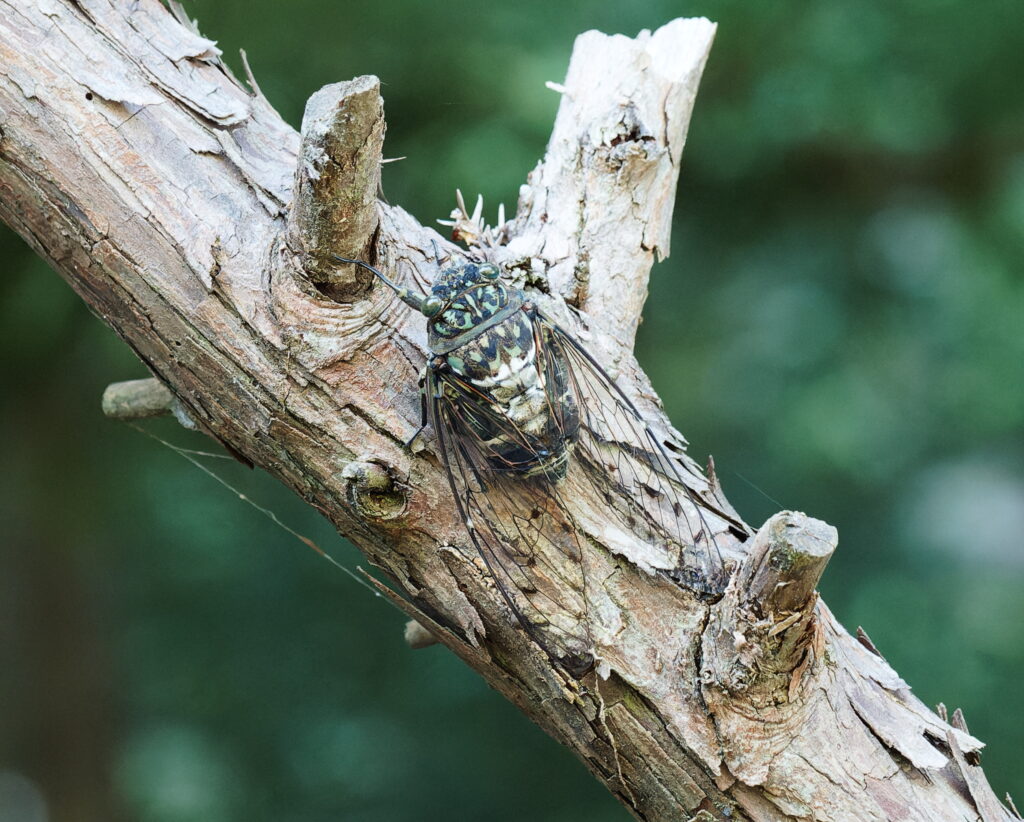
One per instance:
[(196, 223)]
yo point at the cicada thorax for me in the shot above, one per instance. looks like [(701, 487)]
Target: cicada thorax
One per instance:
[(522, 409), (518, 404)]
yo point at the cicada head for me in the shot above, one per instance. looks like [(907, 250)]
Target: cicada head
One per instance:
[(466, 299), (465, 296)]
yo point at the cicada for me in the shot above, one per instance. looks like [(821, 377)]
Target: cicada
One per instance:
[(527, 421)]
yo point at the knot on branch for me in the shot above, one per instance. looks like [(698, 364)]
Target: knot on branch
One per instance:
[(763, 635), (374, 491), (334, 210)]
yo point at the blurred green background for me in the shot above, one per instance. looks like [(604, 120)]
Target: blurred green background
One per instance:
[(841, 324)]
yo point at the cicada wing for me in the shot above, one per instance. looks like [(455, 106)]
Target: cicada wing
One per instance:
[(518, 524), (648, 495)]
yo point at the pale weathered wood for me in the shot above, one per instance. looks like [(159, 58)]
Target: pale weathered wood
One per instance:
[(160, 189), (597, 210)]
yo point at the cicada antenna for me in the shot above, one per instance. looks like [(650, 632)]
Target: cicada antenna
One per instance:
[(406, 295)]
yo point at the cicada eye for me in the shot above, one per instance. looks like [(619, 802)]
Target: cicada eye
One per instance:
[(489, 271), (431, 305)]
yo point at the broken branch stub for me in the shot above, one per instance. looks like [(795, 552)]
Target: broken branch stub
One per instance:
[(142, 399), (337, 178), (597, 211), (760, 632), (137, 399), (787, 559)]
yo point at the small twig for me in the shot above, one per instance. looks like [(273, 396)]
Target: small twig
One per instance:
[(137, 399)]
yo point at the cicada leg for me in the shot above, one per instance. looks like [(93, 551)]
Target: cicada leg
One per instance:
[(423, 409)]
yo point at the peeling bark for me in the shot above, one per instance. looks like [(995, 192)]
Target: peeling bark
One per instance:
[(196, 223)]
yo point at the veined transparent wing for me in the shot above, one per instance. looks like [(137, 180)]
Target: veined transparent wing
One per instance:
[(519, 524), (630, 468)]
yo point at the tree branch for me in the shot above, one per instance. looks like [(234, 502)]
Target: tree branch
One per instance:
[(160, 188), (598, 208)]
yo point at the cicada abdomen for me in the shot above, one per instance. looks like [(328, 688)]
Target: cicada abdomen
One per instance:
[(517, 405)]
